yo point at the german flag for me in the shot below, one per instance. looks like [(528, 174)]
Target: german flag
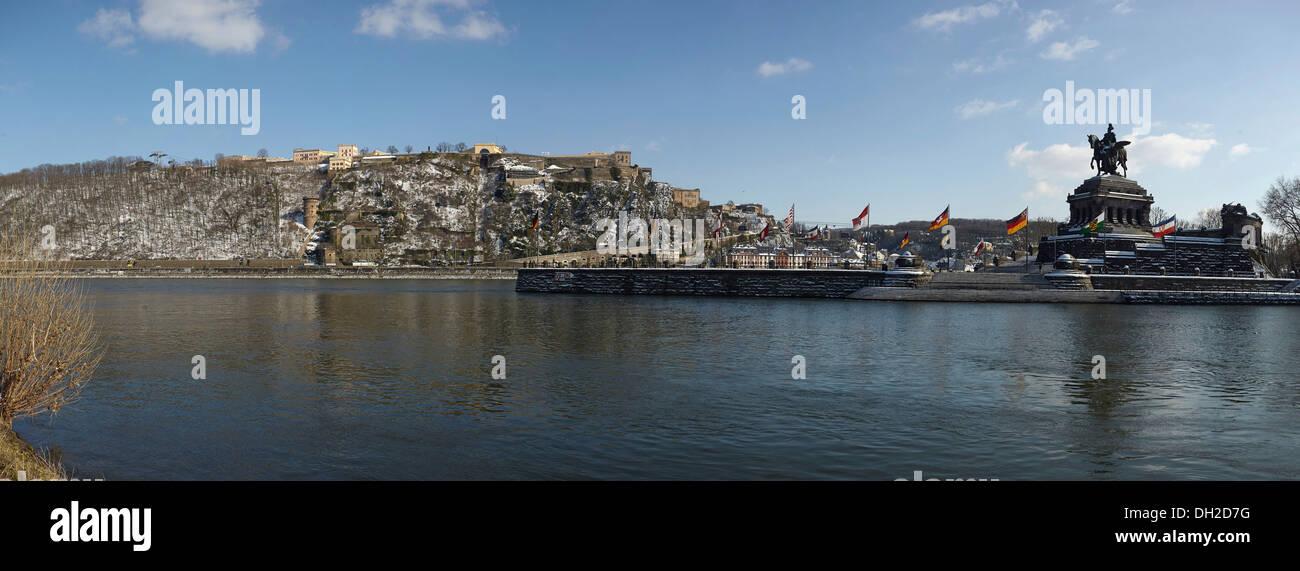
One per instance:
[(1016, 224), (941, 221), (907, 240), (536, 220)]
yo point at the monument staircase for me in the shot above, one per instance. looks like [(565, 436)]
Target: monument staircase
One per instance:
[(988, 281)]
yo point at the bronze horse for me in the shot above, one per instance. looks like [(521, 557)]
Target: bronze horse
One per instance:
[(1108, 160)]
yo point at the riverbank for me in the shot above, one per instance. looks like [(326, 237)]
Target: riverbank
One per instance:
[(16, 455), (300, 273), (995, 287)]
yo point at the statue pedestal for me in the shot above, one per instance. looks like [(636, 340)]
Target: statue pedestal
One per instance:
[(1126, 204)]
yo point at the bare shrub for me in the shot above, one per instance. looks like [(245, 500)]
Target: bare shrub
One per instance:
[(48, 345)]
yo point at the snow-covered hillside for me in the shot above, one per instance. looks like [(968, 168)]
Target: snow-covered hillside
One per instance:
[(104, 210)]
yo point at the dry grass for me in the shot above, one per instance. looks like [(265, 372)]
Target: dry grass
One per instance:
[(16, 455)]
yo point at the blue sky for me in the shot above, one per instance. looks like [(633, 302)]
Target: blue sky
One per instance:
[(909, 106)]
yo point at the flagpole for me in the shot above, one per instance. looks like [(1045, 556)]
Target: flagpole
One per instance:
[(1026, 229)]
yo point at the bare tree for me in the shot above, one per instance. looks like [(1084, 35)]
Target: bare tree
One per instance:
[(444, 147), (408, 149), (1210, 217), (263, 153), (392, 149), (460, 147), (1281, 205), (1158, 214)]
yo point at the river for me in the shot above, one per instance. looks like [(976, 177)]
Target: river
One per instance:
[(392, 379)]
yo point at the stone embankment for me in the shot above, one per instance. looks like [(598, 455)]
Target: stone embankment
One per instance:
[(907, 285)]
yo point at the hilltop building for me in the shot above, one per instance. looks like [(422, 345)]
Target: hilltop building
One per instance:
[(311, 156), (689, 198)]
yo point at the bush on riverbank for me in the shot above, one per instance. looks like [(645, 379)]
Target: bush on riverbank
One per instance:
[(48, 346)]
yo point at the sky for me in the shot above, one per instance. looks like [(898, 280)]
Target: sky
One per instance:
[(908, 106)]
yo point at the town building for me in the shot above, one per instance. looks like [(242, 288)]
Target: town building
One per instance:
[(771, 257)]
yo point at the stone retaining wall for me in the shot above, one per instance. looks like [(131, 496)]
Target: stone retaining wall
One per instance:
[(1210, 298), (712, 281), (1186, 283)]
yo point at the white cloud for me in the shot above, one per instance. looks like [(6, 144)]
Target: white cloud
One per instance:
[(280, 42), (980, 107), (214, 25), (1242, 149), (978, 66), (422, 19), (1069, 163), (1067, 50), (792, 65), (1042, 24), (655, 145), (945, 20), (1171, 150), (113, 27), (1060, 161), (1122, 7)]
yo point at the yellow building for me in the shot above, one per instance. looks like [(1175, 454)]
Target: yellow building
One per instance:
[(487, 148), (348, 152), (338, 163), (310, 156), (687, 197)]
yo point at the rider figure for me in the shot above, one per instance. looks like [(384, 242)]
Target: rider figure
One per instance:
[(1108, 139)]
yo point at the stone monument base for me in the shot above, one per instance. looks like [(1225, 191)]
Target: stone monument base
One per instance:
[(1139, 254)]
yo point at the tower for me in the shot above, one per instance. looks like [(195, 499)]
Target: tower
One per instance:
[(309, 206)]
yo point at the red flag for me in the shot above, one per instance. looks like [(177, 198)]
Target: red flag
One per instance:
[(906, 240), (718, 228), (861, 221), (763, 235), (536, 220), (789, 219)]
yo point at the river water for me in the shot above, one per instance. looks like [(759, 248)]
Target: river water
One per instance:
[(392, 379)]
